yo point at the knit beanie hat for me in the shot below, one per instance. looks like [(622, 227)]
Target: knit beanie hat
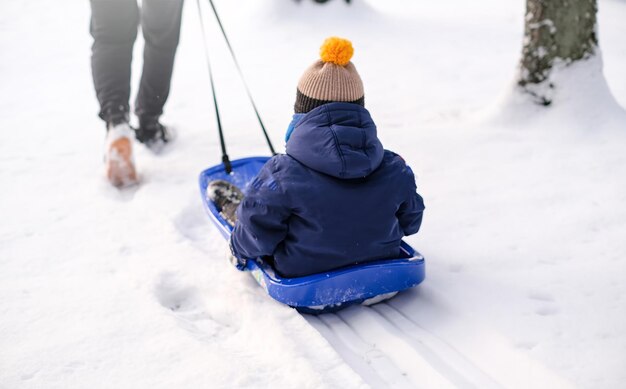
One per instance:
[(330, 79)]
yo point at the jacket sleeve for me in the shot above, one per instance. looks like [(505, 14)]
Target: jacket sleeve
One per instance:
[(261, 218), (412, 208)]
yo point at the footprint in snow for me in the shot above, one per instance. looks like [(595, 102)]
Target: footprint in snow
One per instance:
[(547, 306), (540, 296), (29, 375), (547, 310), (186, 304), (174, 296), (192, 223)]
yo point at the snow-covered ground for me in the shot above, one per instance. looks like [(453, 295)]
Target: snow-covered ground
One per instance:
[(524, 232)]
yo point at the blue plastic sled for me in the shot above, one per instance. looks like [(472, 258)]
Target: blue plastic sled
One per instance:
[(323, 292)]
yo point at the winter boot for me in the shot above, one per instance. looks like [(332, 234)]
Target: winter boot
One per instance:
[(153, 134), (226, 197), (239, 263), (118, 155)]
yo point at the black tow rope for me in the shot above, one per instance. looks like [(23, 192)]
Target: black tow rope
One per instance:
[(225, 159)]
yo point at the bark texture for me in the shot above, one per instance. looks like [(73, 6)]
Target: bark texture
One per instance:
[(555, 30)]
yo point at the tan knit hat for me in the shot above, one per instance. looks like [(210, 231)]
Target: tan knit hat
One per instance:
[(331, 78)]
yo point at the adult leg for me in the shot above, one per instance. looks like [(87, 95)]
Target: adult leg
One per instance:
[(160, 23), (114, 29)]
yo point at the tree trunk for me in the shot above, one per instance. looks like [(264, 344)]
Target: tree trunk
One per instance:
[(556, 32)]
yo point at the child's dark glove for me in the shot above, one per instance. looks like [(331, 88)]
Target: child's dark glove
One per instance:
[(239, 263)]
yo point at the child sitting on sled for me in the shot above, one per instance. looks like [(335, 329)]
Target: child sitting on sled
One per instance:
[(336, 198)]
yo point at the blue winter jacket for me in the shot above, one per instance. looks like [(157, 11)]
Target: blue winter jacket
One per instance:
[(336, 198)]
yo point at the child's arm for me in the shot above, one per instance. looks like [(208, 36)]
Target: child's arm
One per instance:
[(410, 214), (411, 210), (261, 217)]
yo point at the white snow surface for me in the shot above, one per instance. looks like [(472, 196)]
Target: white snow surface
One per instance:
[(524, 231)]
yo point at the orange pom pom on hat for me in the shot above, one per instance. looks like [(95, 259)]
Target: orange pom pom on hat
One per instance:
[(331, 78)]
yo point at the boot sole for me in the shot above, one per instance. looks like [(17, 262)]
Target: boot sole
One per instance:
[(120, 169)]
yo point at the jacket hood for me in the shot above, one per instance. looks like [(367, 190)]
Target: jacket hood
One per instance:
[(338, 139)]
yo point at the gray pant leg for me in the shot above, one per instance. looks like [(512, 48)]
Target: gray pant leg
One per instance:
[(160, 24), (114, 29)]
